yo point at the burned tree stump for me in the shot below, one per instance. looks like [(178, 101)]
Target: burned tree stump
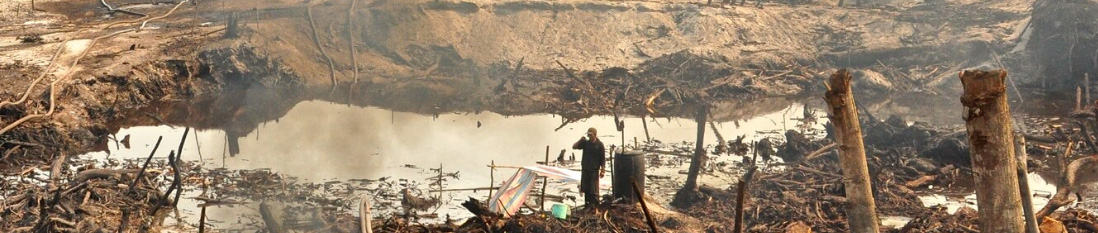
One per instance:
[(861, 209), (232, 28), (987, 119)]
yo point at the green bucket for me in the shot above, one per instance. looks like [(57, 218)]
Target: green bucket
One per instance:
[(560, 211)]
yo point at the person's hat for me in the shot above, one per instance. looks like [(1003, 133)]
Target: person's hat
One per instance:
[(592, 130)]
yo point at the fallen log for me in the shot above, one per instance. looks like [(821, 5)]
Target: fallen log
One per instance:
[(89, 174)]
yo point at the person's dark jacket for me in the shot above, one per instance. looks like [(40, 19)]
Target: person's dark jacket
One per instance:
[(594, 154)]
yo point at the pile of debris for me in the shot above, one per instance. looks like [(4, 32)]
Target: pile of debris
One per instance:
[(682, 78)]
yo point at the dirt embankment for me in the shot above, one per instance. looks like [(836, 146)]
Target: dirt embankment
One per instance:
[(1064, 42), (503, 56), (482, 55)]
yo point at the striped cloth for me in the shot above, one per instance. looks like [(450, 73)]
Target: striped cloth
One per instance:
[(516, 190)]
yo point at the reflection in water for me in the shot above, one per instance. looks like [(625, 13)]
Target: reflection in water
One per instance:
[(320, 141), (1040, 189)]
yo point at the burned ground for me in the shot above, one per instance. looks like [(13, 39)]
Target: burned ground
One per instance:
[(650, 59)]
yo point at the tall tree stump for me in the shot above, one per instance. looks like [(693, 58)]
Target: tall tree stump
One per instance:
[(987, 119), (861, 210)]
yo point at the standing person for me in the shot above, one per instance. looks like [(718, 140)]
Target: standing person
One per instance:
[(593, 165)]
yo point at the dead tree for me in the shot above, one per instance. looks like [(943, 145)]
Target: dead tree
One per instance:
[(699, 152), (861, 209), (987, 119), (689, 192)]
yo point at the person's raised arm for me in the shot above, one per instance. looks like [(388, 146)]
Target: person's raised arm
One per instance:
[(579, 144)]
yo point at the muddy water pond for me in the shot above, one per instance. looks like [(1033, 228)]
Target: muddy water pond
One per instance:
[(322, 142), (353, 152)]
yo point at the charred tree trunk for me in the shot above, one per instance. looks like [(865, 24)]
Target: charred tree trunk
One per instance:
[(689, 192), (861, 209), (987, 119), (232, 29), (699, 152)]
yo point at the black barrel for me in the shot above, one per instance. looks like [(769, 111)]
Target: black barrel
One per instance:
[(628, 166)]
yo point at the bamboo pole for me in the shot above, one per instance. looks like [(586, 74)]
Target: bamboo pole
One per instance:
[(988, 122), (861, 209)]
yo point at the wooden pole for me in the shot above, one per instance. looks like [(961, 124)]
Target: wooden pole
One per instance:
[(544, 181), (861, 209), (202, 220), (987, 119), (741, 197), (1078, 98), (644, 206), (1086, 87), (440, 181), (491, 178), (1023, 184), (645, 124), (611, 190)]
